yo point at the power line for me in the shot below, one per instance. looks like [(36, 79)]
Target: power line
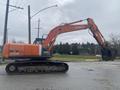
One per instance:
[(12, 6)]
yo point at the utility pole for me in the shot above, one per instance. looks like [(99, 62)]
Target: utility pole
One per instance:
[(6, 22), (38, 28), (29, 25)]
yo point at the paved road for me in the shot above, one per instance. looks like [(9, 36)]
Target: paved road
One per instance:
[(81, 76)]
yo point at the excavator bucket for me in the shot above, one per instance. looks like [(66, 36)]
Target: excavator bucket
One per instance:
[(108, 54)]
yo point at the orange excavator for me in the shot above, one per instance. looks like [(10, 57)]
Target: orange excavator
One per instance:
[(34, 57)]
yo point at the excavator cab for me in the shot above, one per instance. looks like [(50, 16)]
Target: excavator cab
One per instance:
[(45, 53), (38, 41)]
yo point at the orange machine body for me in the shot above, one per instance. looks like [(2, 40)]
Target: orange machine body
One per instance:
[(21, 50)]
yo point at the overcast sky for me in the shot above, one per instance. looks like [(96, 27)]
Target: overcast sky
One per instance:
[(105, 13)]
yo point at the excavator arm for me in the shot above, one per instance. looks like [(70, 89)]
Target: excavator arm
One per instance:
[(49, 41), (107, 52), (96, 32), (74, 26)]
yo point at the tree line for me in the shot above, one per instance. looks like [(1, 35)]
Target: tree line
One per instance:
[(87, 48), (77, 48)]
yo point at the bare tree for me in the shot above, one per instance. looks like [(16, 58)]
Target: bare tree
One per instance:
[(115, 42)]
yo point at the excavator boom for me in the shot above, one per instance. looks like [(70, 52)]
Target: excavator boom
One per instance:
[(74, 26), (49, 41)]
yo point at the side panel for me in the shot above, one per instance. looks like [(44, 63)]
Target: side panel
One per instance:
[(21, 51), (16, 50), (31, 50), (5, 51)]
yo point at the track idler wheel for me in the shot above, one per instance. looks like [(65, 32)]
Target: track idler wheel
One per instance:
[(11, 68), (66, 67)]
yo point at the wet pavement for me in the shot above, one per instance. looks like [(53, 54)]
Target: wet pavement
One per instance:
[(81, 76)]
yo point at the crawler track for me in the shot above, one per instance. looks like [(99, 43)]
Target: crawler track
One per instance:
[(36, 67)]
